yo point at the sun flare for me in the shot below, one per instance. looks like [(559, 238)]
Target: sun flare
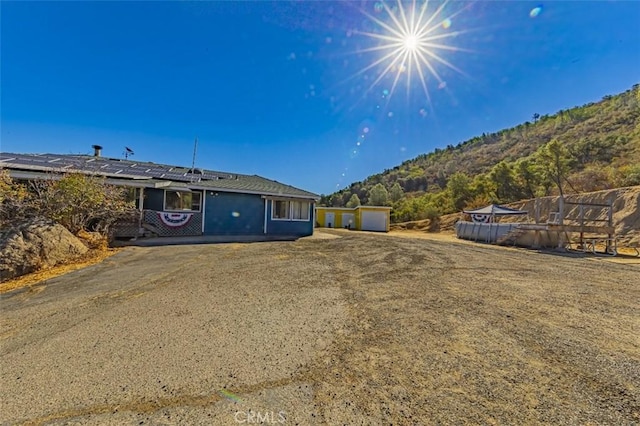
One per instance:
[(412, 41)]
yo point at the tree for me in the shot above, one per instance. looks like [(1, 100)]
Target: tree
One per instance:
[(324, 200), (378, 195), (528, 176), (75, 201), (459, 187), (346, 196), (503, 177), (354, 201), (396, 193), (554, 158), (536, 117), (15, 203)]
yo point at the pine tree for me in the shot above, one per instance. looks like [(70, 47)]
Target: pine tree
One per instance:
[(378, 196), (354, 201)]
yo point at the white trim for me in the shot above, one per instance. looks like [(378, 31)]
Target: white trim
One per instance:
[(334, 208), (164, 201), (287, 197), (141, 199), (204, 200), (355, 208), (273, 206), (308, 212), (290, 219), (264, 194), (266, 214)]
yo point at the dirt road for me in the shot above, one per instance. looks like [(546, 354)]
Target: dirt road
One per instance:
[(358, 329)]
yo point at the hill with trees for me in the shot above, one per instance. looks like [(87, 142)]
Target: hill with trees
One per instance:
[(588, 148)]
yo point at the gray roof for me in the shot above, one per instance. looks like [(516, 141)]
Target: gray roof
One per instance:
[(150, 173)]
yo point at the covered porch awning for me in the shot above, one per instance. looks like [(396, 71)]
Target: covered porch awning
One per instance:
[(488, 213)]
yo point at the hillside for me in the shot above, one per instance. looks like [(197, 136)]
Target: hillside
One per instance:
[(587, 148)]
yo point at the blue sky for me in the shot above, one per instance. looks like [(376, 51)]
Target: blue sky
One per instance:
[(282, 90)]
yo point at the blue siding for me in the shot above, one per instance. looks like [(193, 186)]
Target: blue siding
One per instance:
[(154, 199), (290, 227), (228, 213), (233, 214)]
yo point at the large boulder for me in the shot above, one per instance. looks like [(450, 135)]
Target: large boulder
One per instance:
[(34, 245)]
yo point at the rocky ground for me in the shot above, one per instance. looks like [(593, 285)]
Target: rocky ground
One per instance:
[(340, 328), (35, 245)]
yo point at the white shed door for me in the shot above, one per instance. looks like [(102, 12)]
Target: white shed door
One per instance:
[(329, 220), (348, 220), (374, 221)]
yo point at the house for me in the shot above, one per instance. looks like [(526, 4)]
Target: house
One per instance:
[(183, 202), (363, 218)]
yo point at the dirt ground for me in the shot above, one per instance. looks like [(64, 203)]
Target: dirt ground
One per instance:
[(340, 328)]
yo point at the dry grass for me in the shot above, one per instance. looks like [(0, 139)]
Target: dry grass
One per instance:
[(92, 257)]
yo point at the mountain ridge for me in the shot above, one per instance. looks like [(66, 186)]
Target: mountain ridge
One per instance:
[(586, 148)]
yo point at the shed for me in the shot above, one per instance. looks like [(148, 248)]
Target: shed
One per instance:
[(363, 218)]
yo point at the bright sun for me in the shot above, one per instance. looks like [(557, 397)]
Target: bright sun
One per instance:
[(411, 42)]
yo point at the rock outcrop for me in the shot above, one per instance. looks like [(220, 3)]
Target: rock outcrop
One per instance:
[(35, 245)]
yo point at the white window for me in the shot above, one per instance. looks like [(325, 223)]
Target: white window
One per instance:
[(290, 210), (281, 210), (299, 210), (181, 201)]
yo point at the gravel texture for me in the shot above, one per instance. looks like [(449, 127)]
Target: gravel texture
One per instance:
[(358, 329)]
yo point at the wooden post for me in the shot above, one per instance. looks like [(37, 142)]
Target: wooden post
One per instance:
[(536, 217), (581, 225), (561, 220), (141, 208), (610, 223)]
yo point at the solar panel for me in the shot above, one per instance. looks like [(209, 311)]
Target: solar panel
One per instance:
[(114, 166)]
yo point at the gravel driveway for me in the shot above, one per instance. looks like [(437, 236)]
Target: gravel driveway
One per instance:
[(340, 328)]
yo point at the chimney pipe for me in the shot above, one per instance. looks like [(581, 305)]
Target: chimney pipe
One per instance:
[(97, 149)]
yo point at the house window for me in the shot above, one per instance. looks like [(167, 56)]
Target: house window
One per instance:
[(281, 210), (299, 210), (290, 210), (181, 201)]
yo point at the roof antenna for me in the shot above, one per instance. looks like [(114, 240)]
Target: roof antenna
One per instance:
[(128, 152), (193, 163)]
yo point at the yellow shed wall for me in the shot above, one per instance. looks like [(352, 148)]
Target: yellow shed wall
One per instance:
[(357, 214), (321, 216)]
